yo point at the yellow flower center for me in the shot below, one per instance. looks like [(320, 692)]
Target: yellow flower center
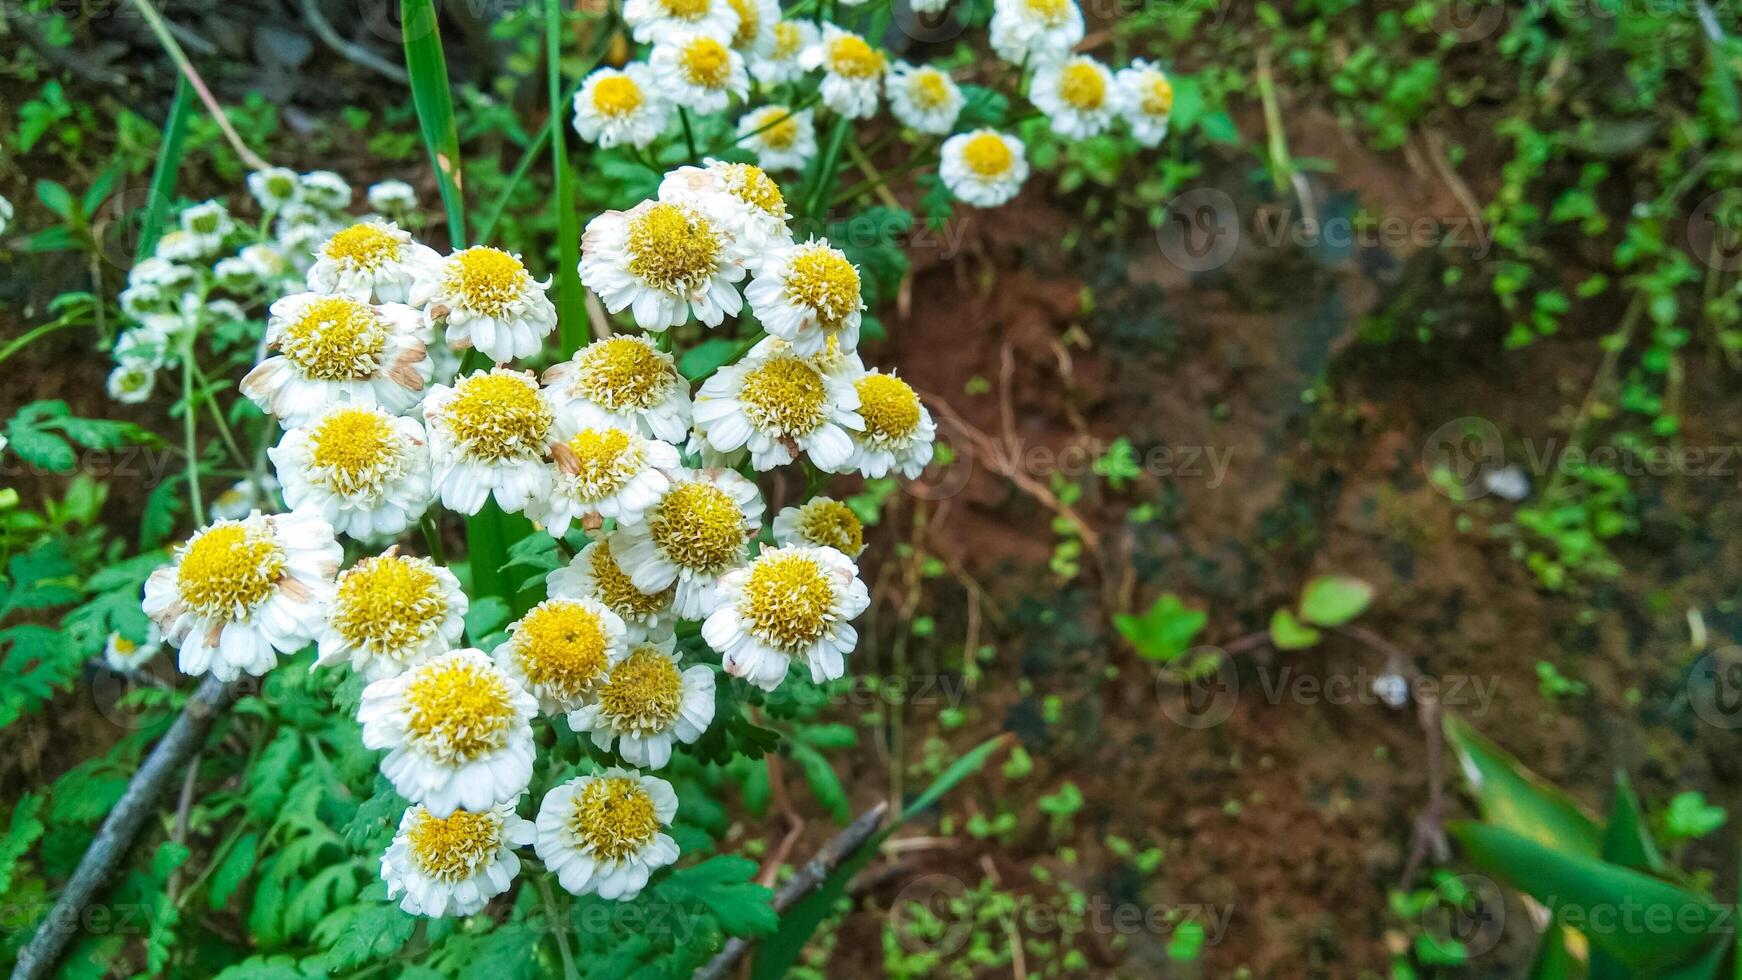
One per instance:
[(389, 605), (643, 693), (458, 710), (613, 818), (788, 600), (784, 394), (616, 96), (486, 280), (749, 23), (560, 646), (354, 451), (987, 155), (622, 373), (228, 570), (706, 63), (929, 88), (750, 184), (1050, 11), (787, 40), (1158, 96), (672, 248), (832, 523), (335, 339), (685, 9), (365, 245), (822, 279), (851, 57), (121, 644), (617, 591), (605, 460), (779, 128), (889, 407), (456, 848), (699, 526), (1082, 86), (500, 416)]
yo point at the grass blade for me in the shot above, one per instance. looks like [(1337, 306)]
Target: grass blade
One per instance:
[(428, 68), (571, 308), (163, 176)]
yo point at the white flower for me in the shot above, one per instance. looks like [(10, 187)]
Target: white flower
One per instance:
[(1078, 95), (754, 35), (624, 381), (325, 189), (659, 260), (898, 431), (1147, 101), (486, 299), (738, 199), (647, 702), (242, 592), (490, 434), (924, 98), (928, 6), (780, 138), (124, 656), (392, 197), (603, 472), (620, 106), (143, 346), (791, 603), (391, 613), (695, 533), (334, 349), (365, 471), (234, 274), (562, 650), (781, 64), (658, 20), (244, 497), (454, 865), (778, 402), (161, 273), (852, 71), (984, 168), (457, 729), (699, 71), (208, 224), (595, 574), (808, 295), (372, 261), (603, 835), (274, 187), (5, 214), (131, 383), (177, 245), (266, 261), (1035, 30), (821, 522)]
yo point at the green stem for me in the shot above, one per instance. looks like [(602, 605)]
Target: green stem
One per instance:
[(689, 136), (190, 432), (223, 424), (432, 536), (572, 328), (173, 48), (34, 335), (826, 168)]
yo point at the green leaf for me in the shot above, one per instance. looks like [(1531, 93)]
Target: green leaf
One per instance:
[(234, 870), (1626, 840), (1332, 600), (573, 326), (163, 175), (1165, 631), (706, 357), (724, 886), (825, 785), (25, 828), (1553, 961), (427, 67), (1513, 797), (1689, 817), (363, 933), (162, 505), (56, 198), (486, 616), (1288, 633)]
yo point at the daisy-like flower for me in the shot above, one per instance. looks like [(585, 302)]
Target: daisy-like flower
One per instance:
[(392, 197), (694, 534), (791, 603), (1147, 101), (924, 98), (274, 187), (647, 702), (177, 245), (622, 381), (562, 650), (604, 472), (454, 865), (266, 261), (485, 298), (781, 64), (660, 259), (1078, 95), (391, 613), (208, 224), (699, 71), (821, 522), (604, 835), (778, 403), (141, 345), (234, 274), (334, 349), (898, 431), (244, 497), (594, 573), (457, 729), (620, 106), (372, 260), (808, 295), (739, 199), (754, 36), (1035, 30), (780, 138), (122, 655), (984, 168), (657, 20), (242, 592), (490, 434), (365, 471), (131, 382), (852, 71), (325, 189)]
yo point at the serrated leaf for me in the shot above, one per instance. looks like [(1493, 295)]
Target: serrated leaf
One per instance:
[(724, 886), (25, 828), (486, 615), (1165, 631), (1332, 600), (234, 870), (363, 933)]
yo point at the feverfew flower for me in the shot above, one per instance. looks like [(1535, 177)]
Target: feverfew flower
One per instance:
[(244, 497), (274, 187), (457, 731), (1077, 94), (124, 656), (646, 702), (1147, 101), (1035, 30), (365, 471), (821, 522), (561, 651), (656, 20), (754, 36), (454, 865), (490, 434), (131, 382), (924, 99), (699, 71), (617, 106), (808, 295), (777, 403), (372, 260), (208, 224), (141, 345), (594, 573), (392, 197), (660, 259), (391, 613), (984, 168), (781, 64), (623, 381), (266, 261), (739, 199), (898, 432), (485, 298), (780, 138), (325, 189), (791, 603), (694, 534), (852, 71), (603, 472), (604, 835), (240, 593), (334, 349)]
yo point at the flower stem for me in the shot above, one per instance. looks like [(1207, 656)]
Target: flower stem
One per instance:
[(689, 136)]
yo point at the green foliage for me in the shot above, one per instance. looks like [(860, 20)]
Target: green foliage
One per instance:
[(1165, 631)]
